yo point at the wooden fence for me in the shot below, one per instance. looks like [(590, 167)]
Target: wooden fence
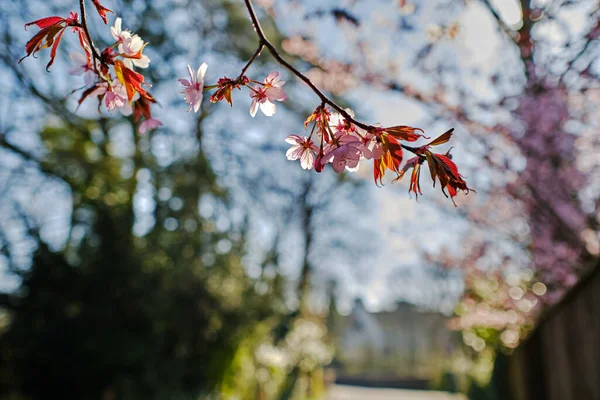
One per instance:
[(561, 359)]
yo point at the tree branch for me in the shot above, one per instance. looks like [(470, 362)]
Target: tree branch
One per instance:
[(263, 41), (509, 32), (84, 26)]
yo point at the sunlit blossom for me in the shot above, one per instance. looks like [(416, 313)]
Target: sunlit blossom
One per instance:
[(80, 65), (265, 95), (345, 153), (193, 88), (302, 149)]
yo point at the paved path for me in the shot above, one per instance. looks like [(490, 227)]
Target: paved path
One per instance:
[(343, 392)]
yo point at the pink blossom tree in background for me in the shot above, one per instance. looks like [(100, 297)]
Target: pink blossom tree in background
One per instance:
[(532, 122)]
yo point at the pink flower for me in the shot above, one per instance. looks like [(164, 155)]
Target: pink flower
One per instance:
[(372, 148), (114, 100), (266, 94), (193, 88), (149, 124), (302, 149), (80, 65), (345, 154), (338, 123)]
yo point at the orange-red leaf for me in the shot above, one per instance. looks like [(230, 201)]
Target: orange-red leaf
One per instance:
[(404, 132), (309, 119), (432, 166), (415, 185), (443, 138), (393, 153), (132, 81)]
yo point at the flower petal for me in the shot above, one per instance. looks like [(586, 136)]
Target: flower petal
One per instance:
[(268, 108), (201, 71), (307, 159), (253, 108), (191, 74)]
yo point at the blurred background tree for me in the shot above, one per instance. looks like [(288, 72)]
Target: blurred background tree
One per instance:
[(132, 268), (114, 314)]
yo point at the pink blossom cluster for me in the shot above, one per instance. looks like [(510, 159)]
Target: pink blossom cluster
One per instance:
[(337, 138), (108, 75), (343, 145)]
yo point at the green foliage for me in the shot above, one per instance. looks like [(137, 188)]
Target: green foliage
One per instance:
[(115, 315)]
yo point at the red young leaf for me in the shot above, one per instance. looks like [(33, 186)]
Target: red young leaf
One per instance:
[(86, 93), (41, 40), (448, 165), (45, 22), (444, 169), (102, 10), (54, 48), (378, 172), (141, 108)]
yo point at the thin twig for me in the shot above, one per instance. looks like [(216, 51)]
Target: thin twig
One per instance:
[(509, 32), (84, 25), (265, 42), (256, 54)]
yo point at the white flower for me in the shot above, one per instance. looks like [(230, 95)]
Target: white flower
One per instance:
[(118, 33), (131, 49), (130, 46)]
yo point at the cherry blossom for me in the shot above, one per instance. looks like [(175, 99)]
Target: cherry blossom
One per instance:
[(80, 65), (193, 88), (119, 34), (110, 77), (373, 148), (131, 49), (266, 94), (338, 123), (130, 46), (114, 100), (302, 149), (149, 124), (345, 153)]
